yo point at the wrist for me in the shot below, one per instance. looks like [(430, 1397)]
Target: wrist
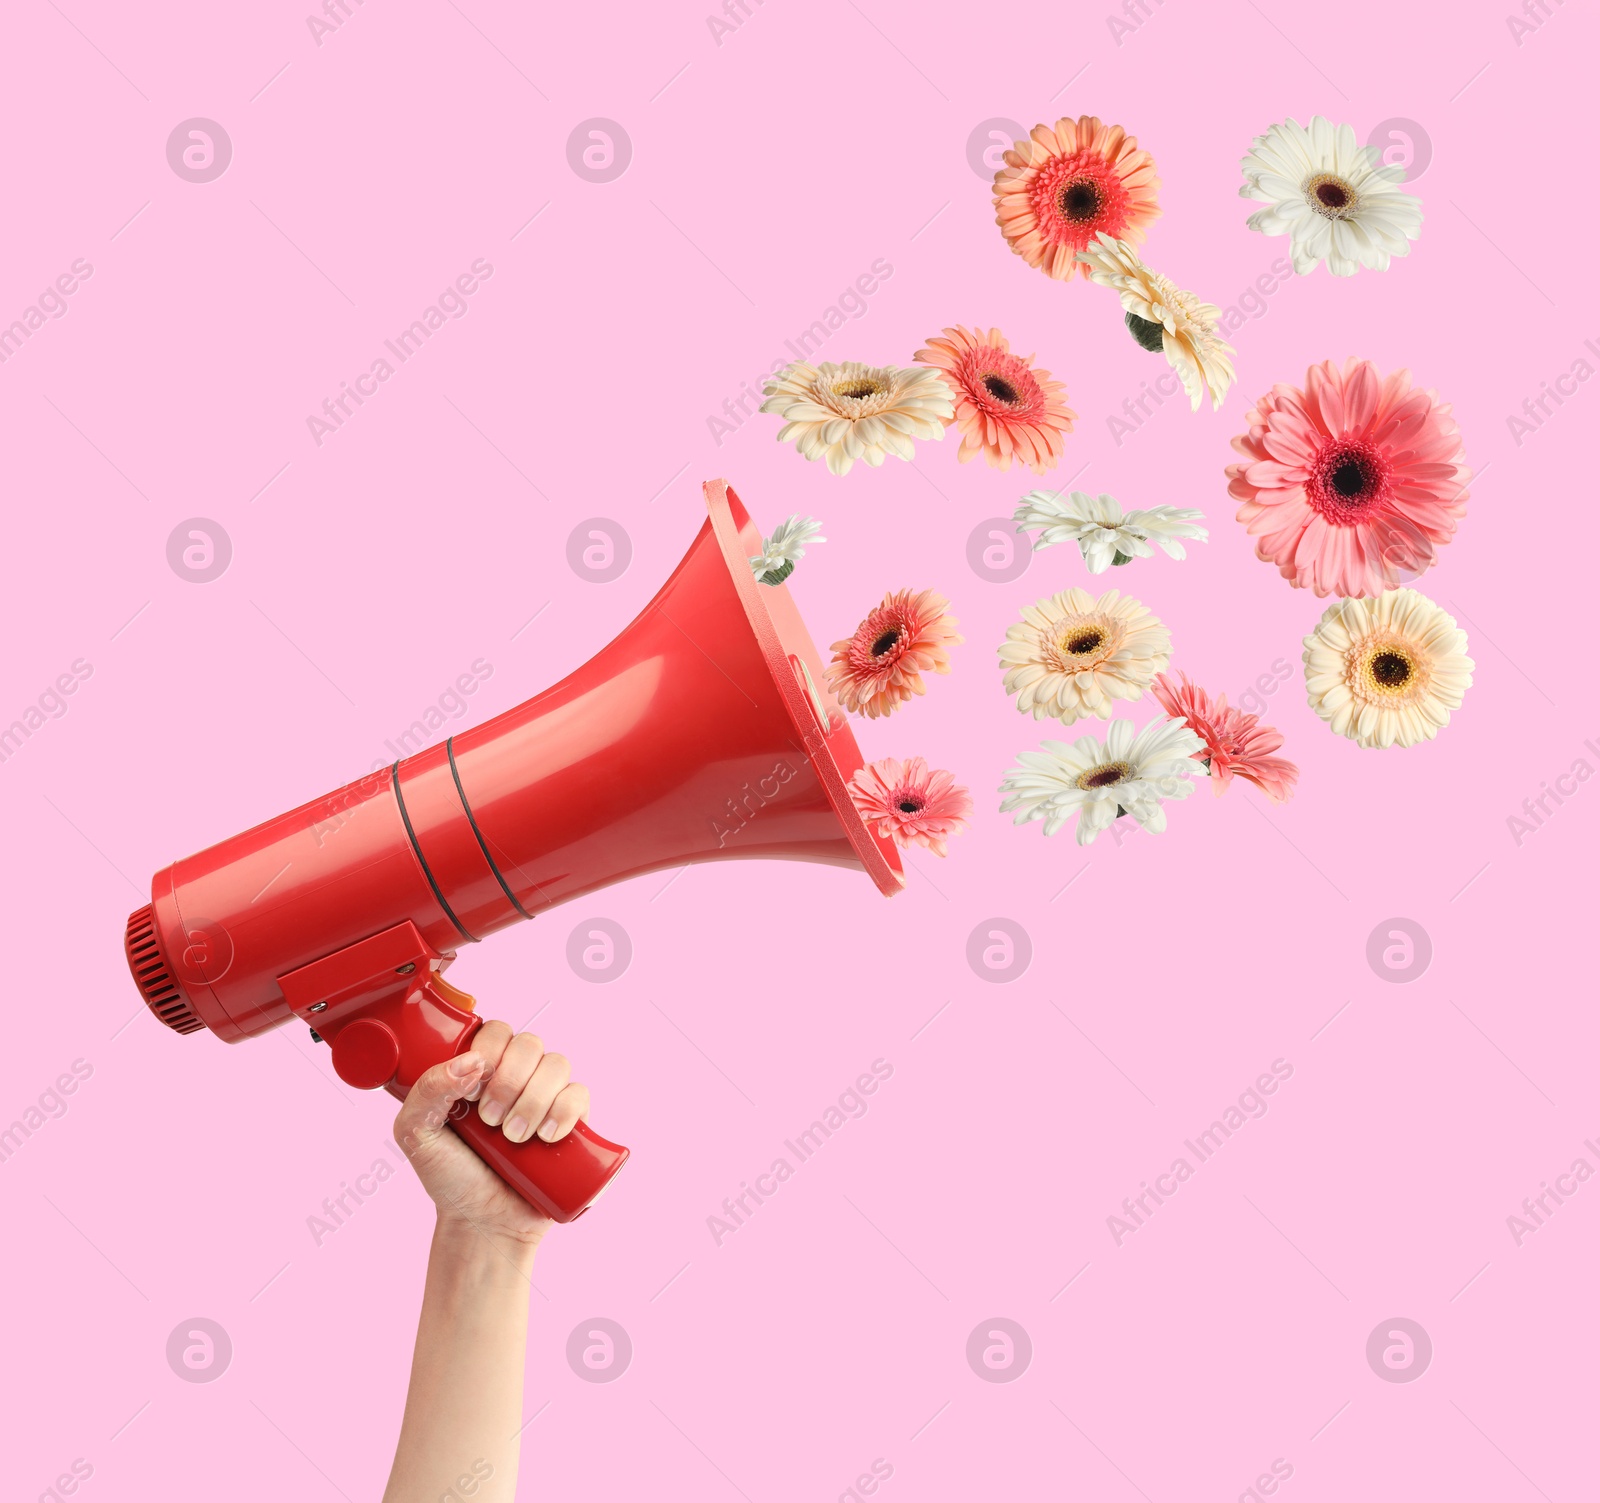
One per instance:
[(462, 1242)]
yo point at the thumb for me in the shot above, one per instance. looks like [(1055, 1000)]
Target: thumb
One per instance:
[(438, 1095)]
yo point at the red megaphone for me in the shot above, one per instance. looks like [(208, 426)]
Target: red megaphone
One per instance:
[(703, 731)]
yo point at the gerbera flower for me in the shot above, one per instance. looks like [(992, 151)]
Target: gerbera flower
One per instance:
[(1098, 780), (910, 804), (880, 667), (1003, 406), (785, 548), (1387, 672), (1105, 534), (1164, 317), (1353, 483), (847, 412), (1236, 743), (1061, 187), (1072, 655), (1332, 197)]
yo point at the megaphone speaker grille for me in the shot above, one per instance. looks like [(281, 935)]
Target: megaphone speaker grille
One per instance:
[(150, 971)]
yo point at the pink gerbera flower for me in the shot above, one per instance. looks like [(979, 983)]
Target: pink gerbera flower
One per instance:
[(1004, 407), (910, 804), (880, 667), (1352, 484), (1062, 187), (1236, 743)]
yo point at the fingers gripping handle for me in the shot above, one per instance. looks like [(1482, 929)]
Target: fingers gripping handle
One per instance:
[(395, 1039), (561, 1179)]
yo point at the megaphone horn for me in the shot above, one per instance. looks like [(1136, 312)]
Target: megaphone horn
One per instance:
[(704, 732)]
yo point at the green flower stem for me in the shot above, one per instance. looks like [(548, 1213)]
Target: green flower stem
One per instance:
[(777, 576), (1146, 334)]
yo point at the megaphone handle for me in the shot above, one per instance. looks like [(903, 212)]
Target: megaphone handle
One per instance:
[(561, 1179), (391, 1041)]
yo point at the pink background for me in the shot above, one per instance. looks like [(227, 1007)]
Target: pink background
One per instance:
[(768, 172)]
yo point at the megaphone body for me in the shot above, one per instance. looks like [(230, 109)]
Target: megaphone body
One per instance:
[(702, 732)]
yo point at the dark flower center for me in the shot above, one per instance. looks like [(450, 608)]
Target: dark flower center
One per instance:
[(1001, 390), (1350, 478), (1108, 775), (886, 641), (1085, 640), (862, 387), (1391, 670), (910, 804), (1078, 201), (1332, 197)]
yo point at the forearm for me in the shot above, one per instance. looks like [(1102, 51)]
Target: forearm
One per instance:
[(464, 1406)]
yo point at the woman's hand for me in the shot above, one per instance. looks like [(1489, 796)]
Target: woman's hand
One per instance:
[(465, 1401), (514, 1083)]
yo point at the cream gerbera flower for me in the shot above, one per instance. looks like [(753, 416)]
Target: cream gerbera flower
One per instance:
[(847, 412), (1387, 671), (1098, 780), (785, 548), (1102, 530), (1164, 317), (1330, 196), (1072, 655)]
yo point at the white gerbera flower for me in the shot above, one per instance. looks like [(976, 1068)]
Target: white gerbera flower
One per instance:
[(842, 413), (785, 548), (1164, 318), (1387, 671), (1330, 196), (1098, 780), (1106, 534)]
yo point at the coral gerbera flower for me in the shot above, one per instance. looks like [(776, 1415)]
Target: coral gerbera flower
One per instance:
[(1352, 484), (847, 412), (1236, 743), (1003, 406), (1061, 187), (1333, 198), (1162, 316), (880, 667), (1072, 655), (1387, 672), (1100, 780), (910, 804)]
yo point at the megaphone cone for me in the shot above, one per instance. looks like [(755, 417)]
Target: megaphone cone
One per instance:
[(703, 732)]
